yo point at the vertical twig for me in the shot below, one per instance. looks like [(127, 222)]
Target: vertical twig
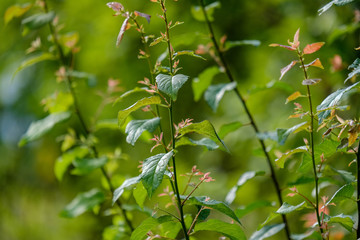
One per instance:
[(358, 189)]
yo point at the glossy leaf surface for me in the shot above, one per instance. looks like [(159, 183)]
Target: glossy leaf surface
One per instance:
[(171, 84), (232, 231), (136, 127)]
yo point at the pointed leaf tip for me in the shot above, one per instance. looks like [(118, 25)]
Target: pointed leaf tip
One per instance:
[(284, 70), (314, 47)]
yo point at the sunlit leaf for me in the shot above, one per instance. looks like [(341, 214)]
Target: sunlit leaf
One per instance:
[(343, 193), (82, 203), (267, 231), (203, 81), (198, 14), (229, 128), (217, 205), (331, 101), (281, 160), (284, 70), (136, 127), (307, 82), (39, 128), (215, 93), (153, 170), (288, 208), (330, 4), (85, 166), (123, 114), (293, 96), (344, 220), (65, 160), (356, 69), (230, 197), (315, 63), (58, 102), (232, 231), (188, 53), (38, 20), (283, 134), (140, 194), (144, 15), (15, 11), (242, 211), (206, 142), (122, 31), (34, 59), (171, 84), (127, 183), (314, 47)]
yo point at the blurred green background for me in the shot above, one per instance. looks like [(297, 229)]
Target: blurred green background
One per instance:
[(31, 197)]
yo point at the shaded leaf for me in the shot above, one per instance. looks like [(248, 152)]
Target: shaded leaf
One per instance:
[(267, 231), (38, 20), (129, 93), (122, 31), (356, 69), (345, 192), (230, 197), (206, 142), (39, 128), (283, 46), (284, 70), (146, 225), (136, 127), (281, 160), (214, 93), (171, 84), (228, 128), (84, 166), (283, 134), (127, 183), (302, 236), (123, 114), (65, 160), (231, 44), (332, 101), (315, 63), (287, 208), (272, 85), (330, 4), (310, 81), (188, 53), (344, 220), (82, 203), (232, 231), (34, 59), (153, 170), (16, 11), (313, 47), (242, 211), (198, 14), (217, 205), (203, 81), (144, 15)]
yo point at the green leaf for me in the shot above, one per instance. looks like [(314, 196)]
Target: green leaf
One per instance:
[(267, 231), (123, 114), (356, 69), (198, 14), (85, 166), (302, 236), (240, 212), (153, 171), (203, 128), (65, 160), (232, 231), (217, 205), (273, 85), (82, 203), (148, 224), (206, 142), (38, 20), (214, 93), (107, 124), (271, 217), (330, 4), (16, 11), (332, 101), (58, 102), (136, 127), (32, 60), (127, 183), (230, 197), (229, 128), (188, 53), (280, 162), (231, 44), (344, 220), (287, 208), (140, 194), (345, 192), (203, 81), (283, 134), (129, 93), (41, 127), (171, 84)]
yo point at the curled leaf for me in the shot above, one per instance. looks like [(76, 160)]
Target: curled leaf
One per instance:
[(314, 47), (311, 81), (287, 68), (122, 31), (296, 42), (315, 63), (144, 15), (117, 7)]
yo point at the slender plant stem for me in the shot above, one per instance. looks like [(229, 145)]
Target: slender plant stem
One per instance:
[(87, 131), (312, 148), (248, 113), (358, 189)]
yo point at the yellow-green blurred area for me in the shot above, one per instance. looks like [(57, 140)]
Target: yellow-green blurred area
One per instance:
[(31, 197)]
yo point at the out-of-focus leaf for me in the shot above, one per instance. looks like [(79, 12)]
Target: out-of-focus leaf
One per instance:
[(307, 82), (206, 142), (293, 96), (343, 30), (82, 203), (240, 212), (313, 47), (356, 69), (214, 93), (273, 85), (127, 183), (287, 208), (153, 170), (284, 70), (232, 231), (198, 14), (228, 128), (65, 160), (231, 44), (144, 15), (188, 53), (331, 3), (39, 128), (84, 166), (230, 197), (122, 31), (148, 224), (217, 205), (129, 93), (283, 134), (203, 128), (136, 127), (281, 160), (171, 84), (123, 114), (332, 101), (345, 192), (283, 46), (302, 236), (156, 41), (344, 220), (203, 81), (16, 11), (38, 20), (267, 231), (107, 123), (58, 102), (117, 7), (140, 194), (32, 60)]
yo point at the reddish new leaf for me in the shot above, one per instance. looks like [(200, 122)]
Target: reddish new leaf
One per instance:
[(287, 68), (315, 63), (314, 47), (296, 42), (117, 7), (144, 15), (311, 81), (122, 31), (283, 46)]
